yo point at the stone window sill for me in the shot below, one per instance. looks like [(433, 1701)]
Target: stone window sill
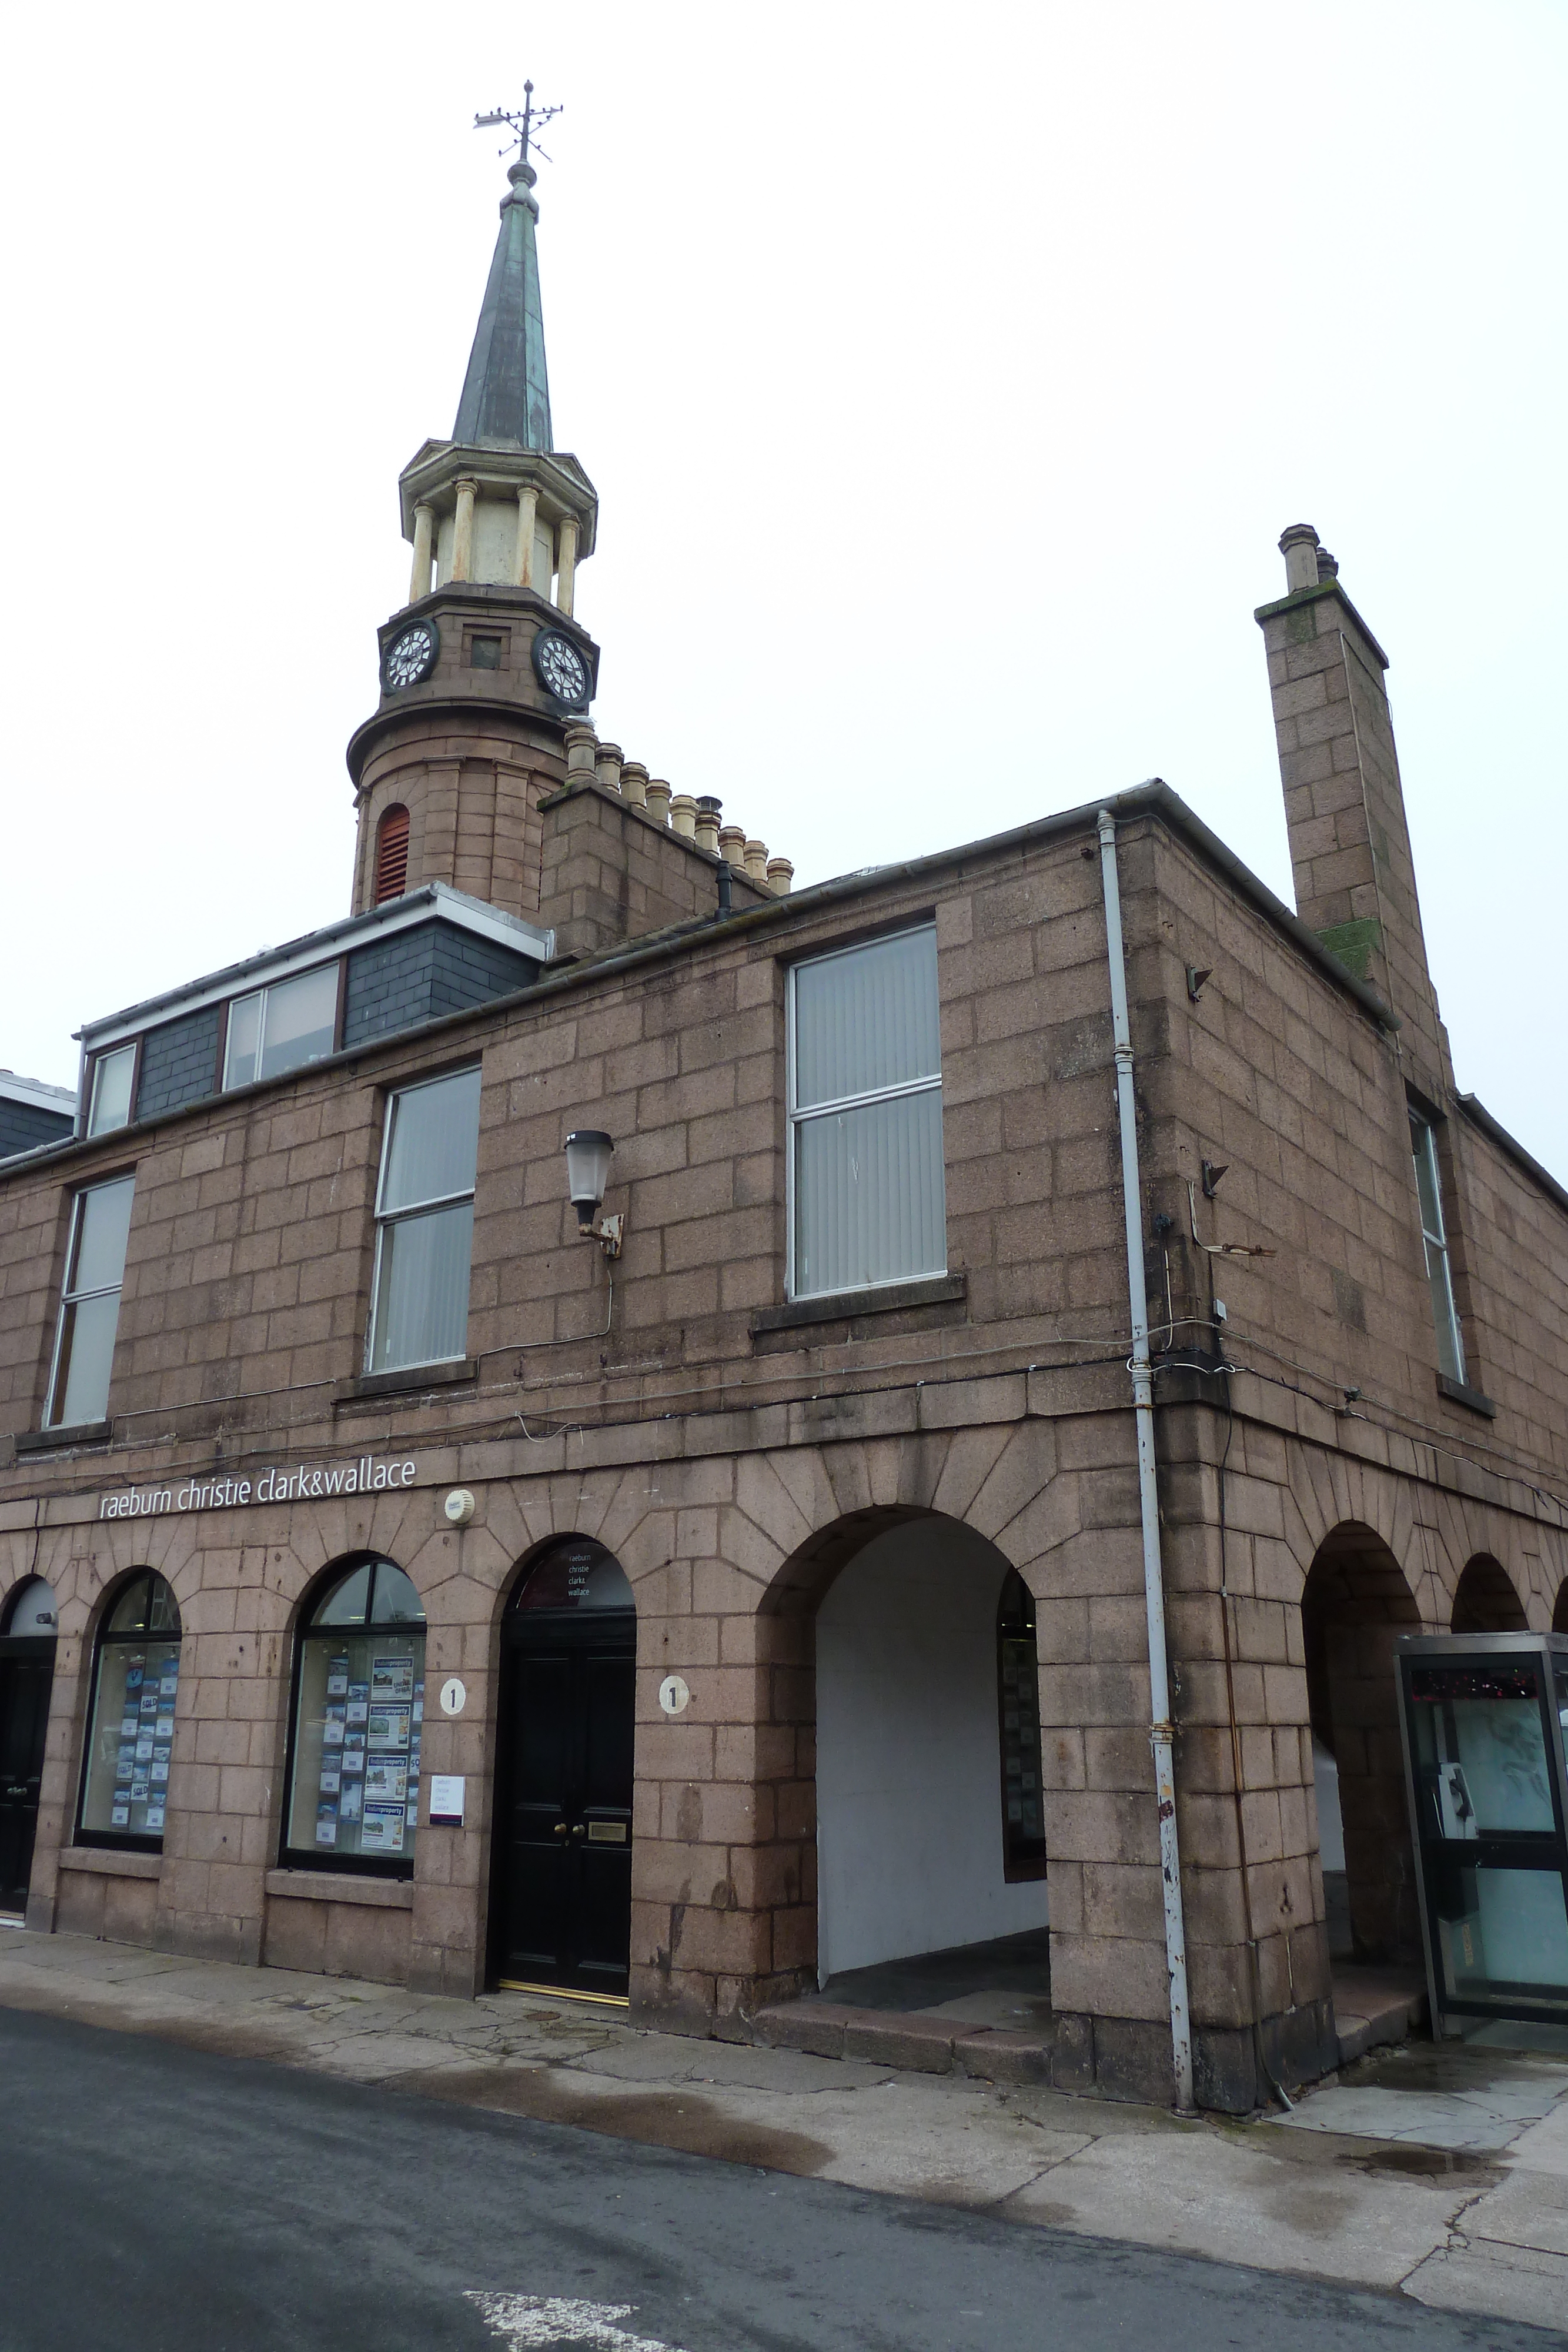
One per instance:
[(853, 1306), (81, 1432), (341, 1886), (104, 1862), (1471, 1399), (415, 1380)]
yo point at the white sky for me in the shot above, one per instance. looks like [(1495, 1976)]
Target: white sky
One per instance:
[(946, 374)]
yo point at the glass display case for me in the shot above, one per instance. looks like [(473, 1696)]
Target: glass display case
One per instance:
[(1485, 1724)]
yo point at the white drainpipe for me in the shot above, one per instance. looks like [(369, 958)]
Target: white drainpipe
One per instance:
[(1148, 1490)]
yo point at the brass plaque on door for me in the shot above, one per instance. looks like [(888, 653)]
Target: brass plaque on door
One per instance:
[(606, 1833)]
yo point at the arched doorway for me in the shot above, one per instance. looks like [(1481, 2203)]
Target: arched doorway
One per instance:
[(1354, 1606), (561, 1906), (27, 1677), (1485, 1601), (929, 1805), (1560, 1614)]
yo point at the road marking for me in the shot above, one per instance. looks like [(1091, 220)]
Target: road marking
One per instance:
[(523, 2321)]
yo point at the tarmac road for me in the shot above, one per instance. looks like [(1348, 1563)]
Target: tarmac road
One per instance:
[(155, 2199)]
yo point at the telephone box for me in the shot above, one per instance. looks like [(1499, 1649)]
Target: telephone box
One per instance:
[(1485, 1724)]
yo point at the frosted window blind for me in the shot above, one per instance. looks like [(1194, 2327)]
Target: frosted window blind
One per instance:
[(865, 1110)]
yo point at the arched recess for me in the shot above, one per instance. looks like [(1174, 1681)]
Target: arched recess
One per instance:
[(29, 1624), (560, 1903), (1560, 1614), (1485, 1601), (1355, 1604), (898, 1663)]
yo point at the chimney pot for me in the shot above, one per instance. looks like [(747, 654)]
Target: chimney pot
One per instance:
[(732, 843), (1298, 546), (581, 743), (633, 782), (659, 800), (609, 765), (780, 874), (757, 860), (707, 822), (683, 816)]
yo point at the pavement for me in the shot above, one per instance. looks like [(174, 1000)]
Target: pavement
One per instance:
[(1436, 2175)]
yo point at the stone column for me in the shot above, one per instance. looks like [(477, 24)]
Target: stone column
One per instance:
[(527, 520), (566, 562), (463, 530), (423, 527)]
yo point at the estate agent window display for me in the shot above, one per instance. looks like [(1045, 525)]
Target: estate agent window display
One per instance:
[(356, 1726), (130, 1735)]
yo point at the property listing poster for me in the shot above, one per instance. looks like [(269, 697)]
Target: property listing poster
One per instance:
[(128, 1781), (361, 1709)]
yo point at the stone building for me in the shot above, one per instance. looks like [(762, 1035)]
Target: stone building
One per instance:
[(581, 1425)]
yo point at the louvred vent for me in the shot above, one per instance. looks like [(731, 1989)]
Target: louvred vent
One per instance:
[(392, 855)]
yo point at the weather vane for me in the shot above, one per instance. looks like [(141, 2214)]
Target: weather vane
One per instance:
[(521, 126)]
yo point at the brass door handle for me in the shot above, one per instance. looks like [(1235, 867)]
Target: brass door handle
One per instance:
[(578, 1831), (560, 1829)]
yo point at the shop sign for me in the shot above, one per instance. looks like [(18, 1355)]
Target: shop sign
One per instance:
[(306, 1483)]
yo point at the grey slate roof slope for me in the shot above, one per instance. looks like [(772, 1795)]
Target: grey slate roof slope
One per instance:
[(505, 394)]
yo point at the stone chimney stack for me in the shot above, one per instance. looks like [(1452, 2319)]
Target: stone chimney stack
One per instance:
[(1344, 806)]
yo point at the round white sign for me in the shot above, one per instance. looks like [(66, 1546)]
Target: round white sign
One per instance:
[(674, 1695), (453, 1696)]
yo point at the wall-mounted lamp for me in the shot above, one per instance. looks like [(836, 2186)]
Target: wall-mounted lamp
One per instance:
[(587, 1156)]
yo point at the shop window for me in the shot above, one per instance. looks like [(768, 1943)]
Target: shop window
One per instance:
[(391, 849), (425, 1224), (356, 1724), (283, 1027), (111, 1079), (90, 1303), (1439, 1274), (868, 1204), (135, 1678), (1018, 1698)]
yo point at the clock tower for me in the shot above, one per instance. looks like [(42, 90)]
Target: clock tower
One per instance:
[(485, 667)]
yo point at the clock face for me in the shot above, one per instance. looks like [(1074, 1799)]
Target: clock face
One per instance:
[(560, 668), (411, 656)]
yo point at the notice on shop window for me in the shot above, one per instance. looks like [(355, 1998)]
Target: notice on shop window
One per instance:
[(381, 1832)]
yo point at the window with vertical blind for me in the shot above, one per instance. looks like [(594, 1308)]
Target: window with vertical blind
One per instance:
[(90, 1303), (392, 855), (1434, 1235), (425, 1218), (867, 1199)]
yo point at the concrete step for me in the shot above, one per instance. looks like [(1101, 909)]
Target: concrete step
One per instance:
[(914, 2038), (1373, 2007)]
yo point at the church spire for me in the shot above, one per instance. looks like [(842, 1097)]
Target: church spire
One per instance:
[(506, 392)]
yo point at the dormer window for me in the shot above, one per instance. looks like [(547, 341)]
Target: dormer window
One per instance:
[(111, 1077), (392, 852), (283, 1027)]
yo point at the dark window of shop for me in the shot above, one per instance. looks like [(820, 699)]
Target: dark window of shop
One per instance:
[(392, 852), (1018, 1695), (131, 1726), (356, 1725)]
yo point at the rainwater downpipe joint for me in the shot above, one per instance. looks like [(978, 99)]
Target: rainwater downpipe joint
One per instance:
[(1161, 1738)]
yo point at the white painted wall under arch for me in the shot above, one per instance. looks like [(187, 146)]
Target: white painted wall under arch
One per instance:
[(909, 1825)]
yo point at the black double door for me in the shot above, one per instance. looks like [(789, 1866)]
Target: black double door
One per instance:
[(26, 1675), (562, 1901)]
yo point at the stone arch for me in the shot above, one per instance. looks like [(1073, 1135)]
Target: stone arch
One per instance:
[(1485, 1601), (1355, 1603)]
